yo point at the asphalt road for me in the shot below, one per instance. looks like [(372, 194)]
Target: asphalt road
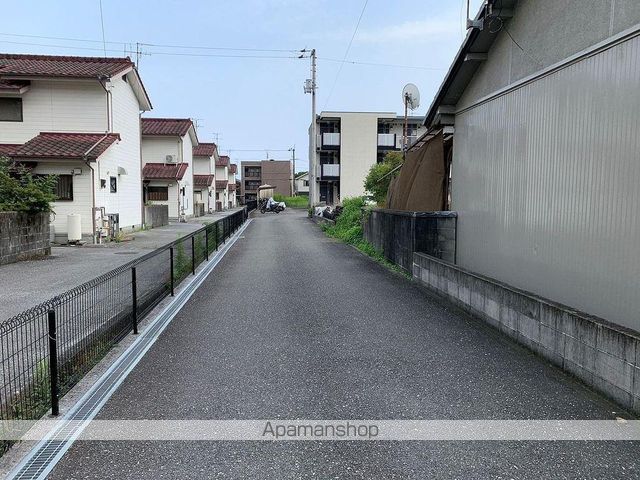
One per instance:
[(293, 325)]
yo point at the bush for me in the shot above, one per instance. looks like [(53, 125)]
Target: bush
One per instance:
[(348, 228), (376, 182), (21, 192), (293, 202)]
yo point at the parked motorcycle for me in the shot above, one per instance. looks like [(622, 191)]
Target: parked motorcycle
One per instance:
[(271, 205)]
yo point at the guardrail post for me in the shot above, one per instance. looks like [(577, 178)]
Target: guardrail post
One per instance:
[(171, 267), (217, 233), (193, 255), (206, 242), (53, 362), (134, 300)]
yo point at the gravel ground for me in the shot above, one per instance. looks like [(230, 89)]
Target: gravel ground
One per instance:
[(315, 330)]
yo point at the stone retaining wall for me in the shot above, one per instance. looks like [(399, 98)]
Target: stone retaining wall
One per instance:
[(23, 236)]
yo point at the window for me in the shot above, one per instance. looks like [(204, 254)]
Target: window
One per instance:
[(305, 183), (158, 194), (383, 128), (412, 129), (113, 184), (10, 109), (64, 188)]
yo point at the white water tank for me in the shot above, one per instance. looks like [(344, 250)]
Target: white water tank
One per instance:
[(74, 227)]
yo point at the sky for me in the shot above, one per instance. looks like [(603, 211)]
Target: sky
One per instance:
[(254, 104)]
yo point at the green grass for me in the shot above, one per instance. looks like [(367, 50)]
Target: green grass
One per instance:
[(348, 229), (293, 202)]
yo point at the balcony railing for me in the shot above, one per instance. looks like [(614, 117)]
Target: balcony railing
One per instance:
[(330, 170), (387, 140), (330, 141)]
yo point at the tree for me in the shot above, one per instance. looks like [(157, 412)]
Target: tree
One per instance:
[(22, 192), (380, 175)]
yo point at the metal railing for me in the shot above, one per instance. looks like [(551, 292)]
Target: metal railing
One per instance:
[(251, 205), (46, 350)]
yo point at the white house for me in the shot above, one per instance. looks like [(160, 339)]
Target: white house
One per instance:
[(232, 187), (167, 158), (302, 183), (348, 144), (204, 167), (222, 183), (79, 118)]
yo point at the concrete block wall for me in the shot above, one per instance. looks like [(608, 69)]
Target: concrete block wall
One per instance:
[(156, 215), (398, 234), (23, 236), (603, 355)]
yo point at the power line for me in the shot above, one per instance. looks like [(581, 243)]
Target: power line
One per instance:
[(190, 47), (346, 53), (128, 49), (240, 49), (375, 64), (148, 53)]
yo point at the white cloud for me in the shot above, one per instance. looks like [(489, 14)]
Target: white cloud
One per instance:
[(415, 30)]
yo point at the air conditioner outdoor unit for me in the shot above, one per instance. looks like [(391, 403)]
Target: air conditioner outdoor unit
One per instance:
[(170, 159)]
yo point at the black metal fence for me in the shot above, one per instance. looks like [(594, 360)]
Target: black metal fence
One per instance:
[(47, 349), (251, 205)]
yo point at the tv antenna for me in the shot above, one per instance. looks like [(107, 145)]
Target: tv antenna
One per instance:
[(411, 99)]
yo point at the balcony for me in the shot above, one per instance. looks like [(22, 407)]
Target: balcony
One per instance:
[(328, 141), (330, 171), (387, 140), (410, 141)]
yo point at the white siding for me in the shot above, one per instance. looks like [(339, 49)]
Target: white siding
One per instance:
[(187, 180), (201, 166), (82, 200), (127, 201), (58, 106), (545, 181), (155, 150), (358, 151), (222, 173), (232, 195)]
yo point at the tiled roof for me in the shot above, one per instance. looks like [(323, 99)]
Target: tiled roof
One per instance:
[(202, 180), (223, 162), (166, 126), (221, 184), (205, 150), (61, 66), (9, 148), (66, 145), (13, 86), (233, 168), (162, 171), (232, 187)]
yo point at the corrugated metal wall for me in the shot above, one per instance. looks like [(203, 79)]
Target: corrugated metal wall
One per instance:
[(546, 181)]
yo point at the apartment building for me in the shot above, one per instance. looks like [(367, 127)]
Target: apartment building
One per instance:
[(78, 118), (349, 143), (277, 173)]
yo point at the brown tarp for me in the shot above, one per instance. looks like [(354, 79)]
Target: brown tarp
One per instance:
[(391, 191), (405, 180), (419, 187)]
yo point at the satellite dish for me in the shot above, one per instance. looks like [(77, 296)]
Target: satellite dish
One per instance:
[(411, 96)]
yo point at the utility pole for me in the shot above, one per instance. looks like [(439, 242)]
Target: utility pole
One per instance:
[(310, 87), (293, 161)]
